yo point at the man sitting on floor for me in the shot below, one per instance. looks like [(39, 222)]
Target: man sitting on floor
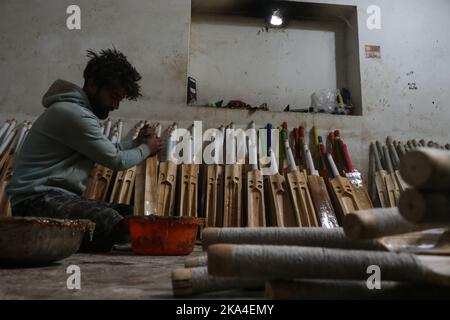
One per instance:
[(66, 140)]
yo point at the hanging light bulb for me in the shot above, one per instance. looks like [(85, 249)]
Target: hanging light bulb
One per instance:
[(276, 19)]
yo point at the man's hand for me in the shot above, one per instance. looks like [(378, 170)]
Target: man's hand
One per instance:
[(154, 144), (145, 133)]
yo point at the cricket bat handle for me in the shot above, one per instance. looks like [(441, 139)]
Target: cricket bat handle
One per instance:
[(348, 162)]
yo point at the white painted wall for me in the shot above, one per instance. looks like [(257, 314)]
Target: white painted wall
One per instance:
[(36, 48)]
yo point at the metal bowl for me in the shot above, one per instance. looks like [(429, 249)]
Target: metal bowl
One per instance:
[(28, 241)]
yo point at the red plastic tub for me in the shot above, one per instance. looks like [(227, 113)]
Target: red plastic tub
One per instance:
[(163, 236)]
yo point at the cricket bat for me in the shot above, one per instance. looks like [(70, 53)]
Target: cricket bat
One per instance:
[(255, 186)]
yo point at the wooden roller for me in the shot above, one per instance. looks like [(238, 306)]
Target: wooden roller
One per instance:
[(193, 281), (375, 223), (425, 206), (429, 242), (427, 169), (308, 237), (277, 262), (195, 262), (349, 289)]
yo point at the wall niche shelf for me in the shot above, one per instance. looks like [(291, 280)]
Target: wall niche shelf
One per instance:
[(233, 55)]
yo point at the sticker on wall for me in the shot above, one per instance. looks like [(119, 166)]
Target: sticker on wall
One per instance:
[(373, 52)]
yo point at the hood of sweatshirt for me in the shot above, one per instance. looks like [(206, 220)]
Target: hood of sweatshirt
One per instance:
[(65, 91)]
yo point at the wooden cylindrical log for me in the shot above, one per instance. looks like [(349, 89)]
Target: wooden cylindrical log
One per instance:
[(425, 207), (307, 237), (339, 289), (376, 223), (427, 169), (199, 261), (186, 282), (286, 262)]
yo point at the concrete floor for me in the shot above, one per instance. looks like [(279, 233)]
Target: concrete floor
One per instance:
[(116, 275)]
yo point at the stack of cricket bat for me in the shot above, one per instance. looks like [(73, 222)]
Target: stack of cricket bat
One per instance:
[(12, 136), (345, 182)]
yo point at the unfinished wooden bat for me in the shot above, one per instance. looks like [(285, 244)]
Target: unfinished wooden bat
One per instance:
[(167, 178), (427, 169), (124, 183), (4, 129), (188, 190), (343, 191), (193, 281), (8, 131), (372, 188), (275, 262), (349, 289), (301, 144), (123, 186), (379, 178), (256, 212), (7, 171), (232, 215), (146, 183), (379, 149), (396, 165), (319, 195), (283, 163), (298, 190), (393, 190), (356, 179), (108, 126), (339, 158), (280, 211), (425, 206), (188, 179), (6, 147), (166, 188)]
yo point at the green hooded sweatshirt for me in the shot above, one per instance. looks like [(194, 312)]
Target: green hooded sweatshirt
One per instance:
[(63, 144)]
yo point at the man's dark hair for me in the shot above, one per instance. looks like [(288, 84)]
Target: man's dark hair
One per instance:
[(109, 66)]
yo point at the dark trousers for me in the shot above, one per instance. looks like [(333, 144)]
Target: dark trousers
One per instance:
[(110, 225)]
